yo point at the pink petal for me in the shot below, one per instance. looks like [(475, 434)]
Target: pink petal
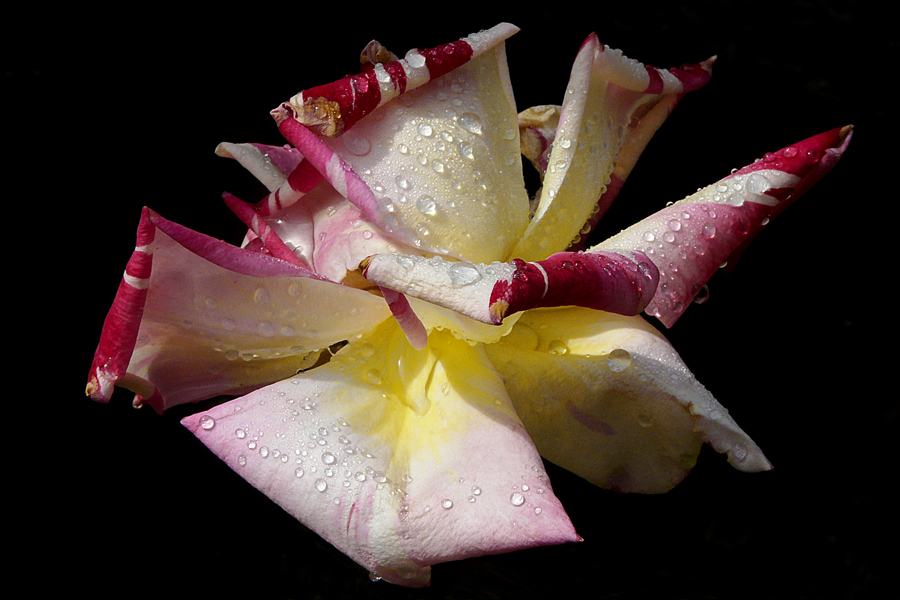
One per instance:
[(196, 317), (612, 107), (401, 459), (689, 240), (487, 293), (608, 398), (271, 165), (333, 108), (266, 236), (331, 234), (438, 170)]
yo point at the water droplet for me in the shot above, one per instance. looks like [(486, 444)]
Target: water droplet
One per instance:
[(476, 490), (372, 376), (758, 184), (261, 296), (709, 231), (240, 433), (426, 205), (447, 504), (618, 360), (321, 484), (328, 458), (466, 151), (648, 236), (207, 422), (471, 123), (517, 499), (298, 472), (414, 59), (702, 296), (425, 129), (463, 273), (264, 451), (357, 144), (557, 347)]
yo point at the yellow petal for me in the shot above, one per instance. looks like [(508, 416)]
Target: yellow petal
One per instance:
[(607, 397)]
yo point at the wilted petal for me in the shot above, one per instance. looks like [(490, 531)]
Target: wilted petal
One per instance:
[(438, 169), (196, 317), (400, 458), (608, 398), (613, 105), (615, 282), (689, 240)]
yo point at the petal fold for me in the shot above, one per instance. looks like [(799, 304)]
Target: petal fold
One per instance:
[(615, 282), (607, 397), (400, 459), (438, 169), (331, 109), (196, 317), (613, 106), (689, 240)]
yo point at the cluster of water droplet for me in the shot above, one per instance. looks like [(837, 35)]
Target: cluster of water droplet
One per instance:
[(322, 454), (430, 160), (283, 323)]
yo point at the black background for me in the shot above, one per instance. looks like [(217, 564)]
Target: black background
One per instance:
[(116, 110)]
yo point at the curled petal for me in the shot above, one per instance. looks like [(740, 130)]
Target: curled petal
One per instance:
[(196, 317), (271, 165), (608, 398), (333, 108), (487, 293), (439, 170), (400, 459), (613, 106), (331, 234), (689, 240), (269, 240)]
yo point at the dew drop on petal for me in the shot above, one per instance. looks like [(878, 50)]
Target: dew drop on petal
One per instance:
[(207, 422), (372, 376), (463, 274), (557, 347), (471, 123), (517, 499), (447, 504), (702, 296), (618, 360), (321, 485), (426, 205)]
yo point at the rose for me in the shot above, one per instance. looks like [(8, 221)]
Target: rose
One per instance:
[(418, 441)]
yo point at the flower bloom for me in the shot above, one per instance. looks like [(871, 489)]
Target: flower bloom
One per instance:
[(409, 333)]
